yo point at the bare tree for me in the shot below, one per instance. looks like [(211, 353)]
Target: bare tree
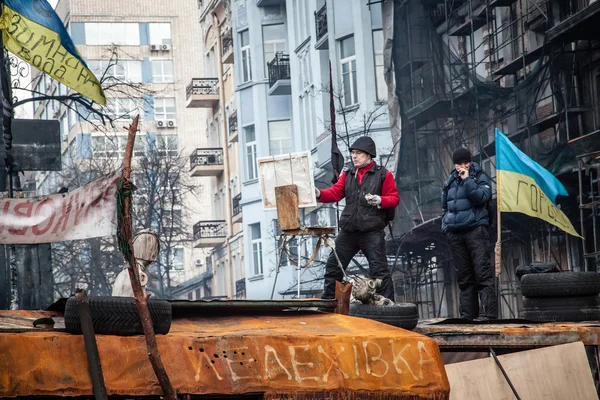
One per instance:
[(162, 180)]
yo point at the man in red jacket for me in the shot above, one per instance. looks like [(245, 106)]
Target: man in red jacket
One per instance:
[(370, 192)]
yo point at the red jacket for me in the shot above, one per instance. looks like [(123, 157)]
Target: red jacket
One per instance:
[(389, 193)]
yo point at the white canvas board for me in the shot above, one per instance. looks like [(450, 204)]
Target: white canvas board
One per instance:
[(287, 169)]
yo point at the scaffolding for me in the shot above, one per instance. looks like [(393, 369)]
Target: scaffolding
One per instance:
[(462, 69)]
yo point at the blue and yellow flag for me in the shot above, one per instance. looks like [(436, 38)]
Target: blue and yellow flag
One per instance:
[(33, 32), (525, 186)]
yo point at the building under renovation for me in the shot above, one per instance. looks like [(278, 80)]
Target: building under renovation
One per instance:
[(462, 68)]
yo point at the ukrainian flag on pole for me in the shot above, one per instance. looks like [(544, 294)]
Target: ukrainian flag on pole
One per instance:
[(33, 32), (526, 187)]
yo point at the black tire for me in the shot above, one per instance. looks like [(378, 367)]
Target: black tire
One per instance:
[(401, 315), (119, 316), (560, 284), (561, 309)]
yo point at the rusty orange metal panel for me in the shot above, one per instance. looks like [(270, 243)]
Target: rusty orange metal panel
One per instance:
[(275, 355)]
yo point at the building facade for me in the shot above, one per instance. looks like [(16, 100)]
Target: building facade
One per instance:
[(282, 51), (213, 95), (463, 69), (149, 54)]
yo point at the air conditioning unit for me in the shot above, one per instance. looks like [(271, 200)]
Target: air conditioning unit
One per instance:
[(161, 123), (155, 47), (198, 263), (171, 123), (165, 47)]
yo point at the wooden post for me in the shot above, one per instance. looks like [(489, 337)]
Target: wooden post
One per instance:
[(91, 347), (141, 300), (342, 295)]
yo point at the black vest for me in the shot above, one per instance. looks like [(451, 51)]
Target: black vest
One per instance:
[(358, 215)]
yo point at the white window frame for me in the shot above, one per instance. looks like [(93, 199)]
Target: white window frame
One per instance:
[(108, 33), (158, 71), (246, 59), (350, 61), (167, 145), (157, 32), (380, 85), (275, 46), (276, 143), (124, 70), (251, 165), (160, 108), (256, 245)]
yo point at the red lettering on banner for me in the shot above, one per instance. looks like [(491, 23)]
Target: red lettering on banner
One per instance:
[(36, 228), (64, 215), (22, 211), (4, 215)]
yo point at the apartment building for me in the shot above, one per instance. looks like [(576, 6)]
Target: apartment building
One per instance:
[(212, 94), (282, 51), (156, 46), (462, 69)]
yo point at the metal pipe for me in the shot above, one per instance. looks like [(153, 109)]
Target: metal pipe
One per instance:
[(227, 177), (581, 213)]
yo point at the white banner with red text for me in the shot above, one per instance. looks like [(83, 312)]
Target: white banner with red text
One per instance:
[(84, 213)]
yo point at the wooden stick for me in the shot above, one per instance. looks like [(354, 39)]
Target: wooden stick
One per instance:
[(91, 347), (141, 300), (342, 295)]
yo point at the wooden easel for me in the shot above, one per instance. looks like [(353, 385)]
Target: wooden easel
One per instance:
[(288, 215)]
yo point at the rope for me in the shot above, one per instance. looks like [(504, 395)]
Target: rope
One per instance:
[(124, 225)]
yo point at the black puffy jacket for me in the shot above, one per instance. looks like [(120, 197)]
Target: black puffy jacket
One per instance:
[(465, 201)]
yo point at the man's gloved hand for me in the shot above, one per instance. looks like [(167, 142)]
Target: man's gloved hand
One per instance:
[(373, 199), (317, 193)]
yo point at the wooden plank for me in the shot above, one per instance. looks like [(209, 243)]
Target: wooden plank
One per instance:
[(552, 373), (287, 207)]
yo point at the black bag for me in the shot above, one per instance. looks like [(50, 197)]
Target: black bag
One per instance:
[(390, 213)]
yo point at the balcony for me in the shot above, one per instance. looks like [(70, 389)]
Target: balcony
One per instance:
[(233, 127), (236, 209), (265, 3), (321, 28), (206, 162), (209, 234), (203, 93), (279, 75), (227, 45)]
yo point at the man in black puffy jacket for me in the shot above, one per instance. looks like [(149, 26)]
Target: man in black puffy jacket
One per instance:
[(465, 223)]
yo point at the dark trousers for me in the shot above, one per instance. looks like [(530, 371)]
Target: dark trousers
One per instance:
[(474, 273), (347, 244)]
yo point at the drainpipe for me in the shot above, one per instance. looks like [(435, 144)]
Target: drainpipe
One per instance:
[(227, 179)]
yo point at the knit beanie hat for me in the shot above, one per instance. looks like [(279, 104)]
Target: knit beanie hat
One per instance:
[(461, 155)]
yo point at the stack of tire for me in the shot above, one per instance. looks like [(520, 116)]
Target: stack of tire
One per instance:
[(401, 315), (561, 296)]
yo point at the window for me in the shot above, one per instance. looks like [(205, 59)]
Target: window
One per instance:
[(162, 71), (348, 64), (121, 109), (139, 146), (256, 249), (246, 59), (273, 42), (104, 147), (129, 70), (280, 137), (107, 33), (114, 147), (175, 258), (164, 108), (160, 33), (250, 136), (379, 69), (167, 145)]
